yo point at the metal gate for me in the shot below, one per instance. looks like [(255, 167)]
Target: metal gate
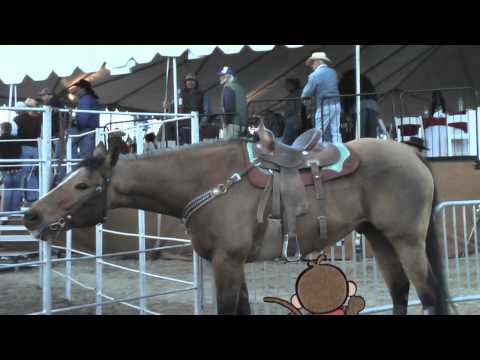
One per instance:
[(457, 230)]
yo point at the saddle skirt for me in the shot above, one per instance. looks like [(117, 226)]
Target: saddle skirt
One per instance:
[(347, 164)]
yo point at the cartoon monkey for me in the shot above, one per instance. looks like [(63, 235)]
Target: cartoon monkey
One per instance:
[(323, 289)]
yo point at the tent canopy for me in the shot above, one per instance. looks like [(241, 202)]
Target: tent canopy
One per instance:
[(16, 60), (261, 69)]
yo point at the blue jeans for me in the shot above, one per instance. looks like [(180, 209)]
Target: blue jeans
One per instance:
[(30, 174), (82, 147), (291, 132), (12, 199), (328, 123)]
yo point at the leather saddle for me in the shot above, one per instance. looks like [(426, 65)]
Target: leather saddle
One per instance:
[(286, 186)]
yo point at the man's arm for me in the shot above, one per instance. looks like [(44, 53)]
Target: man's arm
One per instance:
[(310, 88)]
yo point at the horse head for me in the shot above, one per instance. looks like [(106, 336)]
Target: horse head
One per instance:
[(82, 199)]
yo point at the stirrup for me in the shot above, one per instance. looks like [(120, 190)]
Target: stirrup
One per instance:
[(295, 258)]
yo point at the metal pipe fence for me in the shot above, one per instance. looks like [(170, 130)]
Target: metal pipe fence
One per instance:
[(45, 262), (457, 225)]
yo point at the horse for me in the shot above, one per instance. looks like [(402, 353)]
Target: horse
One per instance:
[(390, 198)]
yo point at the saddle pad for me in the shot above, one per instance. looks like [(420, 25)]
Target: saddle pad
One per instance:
[(348, 164)]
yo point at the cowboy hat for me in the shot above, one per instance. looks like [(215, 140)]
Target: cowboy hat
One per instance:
[(45, 91), (84, 84), (226, 71), (318, 56), (190, 77), (416, 142), (31, 103)]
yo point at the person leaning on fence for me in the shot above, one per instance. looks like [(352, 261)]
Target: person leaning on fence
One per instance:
[(293, 111), (29, 126), (48, 98), (12, 175), (83, 146), (193, 100), (369, 108), (438, 108), (323, 87), (233, 104)]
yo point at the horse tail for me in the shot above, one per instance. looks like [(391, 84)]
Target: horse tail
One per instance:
[(435, 257)]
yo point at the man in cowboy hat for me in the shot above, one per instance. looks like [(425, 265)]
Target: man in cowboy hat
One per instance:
[(417, 143), (233, 104), (192, 100), (85, 122), (48, 98), (323, 87), (29, 124)]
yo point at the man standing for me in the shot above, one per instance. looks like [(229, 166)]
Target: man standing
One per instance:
[(293, 111), (234, 104), (29, 127), (370, 109), (12, 174), (50, 99), (193, 100), (323, 87), (85, 122)]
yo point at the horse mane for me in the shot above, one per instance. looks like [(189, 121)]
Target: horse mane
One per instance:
[(92, 164), (179, 150)]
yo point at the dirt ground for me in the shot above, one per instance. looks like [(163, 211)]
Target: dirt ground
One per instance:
[(20, 293)]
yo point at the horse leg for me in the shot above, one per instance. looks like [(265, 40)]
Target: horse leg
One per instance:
[(229, 278), (391, 269), (244, 302), (413, 256)]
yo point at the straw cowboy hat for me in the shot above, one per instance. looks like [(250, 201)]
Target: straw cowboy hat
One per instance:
[(318, 56), (190, 76), (31, 103)]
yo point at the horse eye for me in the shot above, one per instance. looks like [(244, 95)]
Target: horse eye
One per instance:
[(81, 186)]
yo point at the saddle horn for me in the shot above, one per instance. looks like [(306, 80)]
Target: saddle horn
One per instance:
[(267, 138)]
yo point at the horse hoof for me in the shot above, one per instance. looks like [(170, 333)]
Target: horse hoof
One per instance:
[(429, 311)]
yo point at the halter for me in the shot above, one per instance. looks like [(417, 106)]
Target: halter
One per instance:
[(63, 221)]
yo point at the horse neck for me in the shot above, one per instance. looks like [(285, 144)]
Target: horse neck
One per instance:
[(165, 182)]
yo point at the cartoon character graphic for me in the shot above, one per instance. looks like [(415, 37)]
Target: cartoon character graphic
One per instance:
[(322, 289)]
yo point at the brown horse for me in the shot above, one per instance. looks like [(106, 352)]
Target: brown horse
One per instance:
[(390, 199)]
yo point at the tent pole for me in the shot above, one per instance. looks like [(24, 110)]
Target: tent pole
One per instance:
[(358, 91), (175, 86), (10, 94)]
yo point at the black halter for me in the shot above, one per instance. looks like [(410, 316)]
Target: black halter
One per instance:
[(100, 190)]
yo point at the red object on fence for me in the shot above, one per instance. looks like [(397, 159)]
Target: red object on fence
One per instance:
[(409, 129), (429, 122), (460, 125)]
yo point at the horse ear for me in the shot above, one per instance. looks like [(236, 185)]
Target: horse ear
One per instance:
[(100, 151), (267, 138), (113, 155)]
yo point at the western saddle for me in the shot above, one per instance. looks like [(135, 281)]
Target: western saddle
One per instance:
[(286, 188)]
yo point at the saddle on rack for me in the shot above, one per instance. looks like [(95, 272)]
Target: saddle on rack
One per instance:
[(289, 170)]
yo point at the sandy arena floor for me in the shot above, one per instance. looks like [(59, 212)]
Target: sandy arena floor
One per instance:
[(20, 293)]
